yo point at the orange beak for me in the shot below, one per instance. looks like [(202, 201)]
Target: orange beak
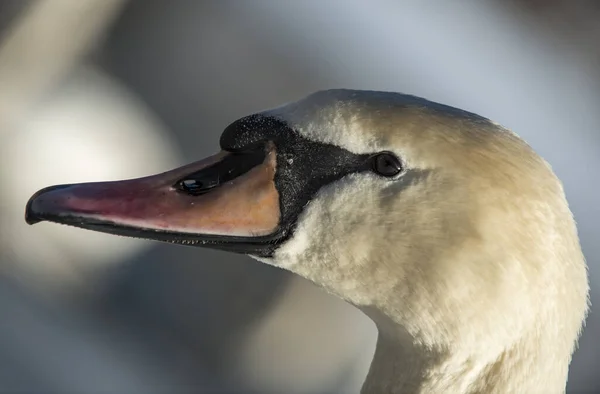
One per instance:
[(226, 201)]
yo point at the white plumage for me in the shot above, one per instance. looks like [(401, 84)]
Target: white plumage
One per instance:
[(470, 266)]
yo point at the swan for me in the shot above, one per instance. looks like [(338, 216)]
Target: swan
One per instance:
[(443, 227)]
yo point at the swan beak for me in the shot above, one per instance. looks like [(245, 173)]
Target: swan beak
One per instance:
[(226, 201)]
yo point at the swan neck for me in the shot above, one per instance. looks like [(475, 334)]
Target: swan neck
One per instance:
[(402, 364)]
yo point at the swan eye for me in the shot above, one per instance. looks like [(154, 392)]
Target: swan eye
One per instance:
[(386, 164)]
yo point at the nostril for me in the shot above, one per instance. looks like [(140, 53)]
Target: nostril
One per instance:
[(197, 186), (230, 167)]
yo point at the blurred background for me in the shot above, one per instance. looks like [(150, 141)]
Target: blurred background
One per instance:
[(108, 89)]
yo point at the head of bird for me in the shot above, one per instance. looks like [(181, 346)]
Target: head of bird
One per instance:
[(424, 216)]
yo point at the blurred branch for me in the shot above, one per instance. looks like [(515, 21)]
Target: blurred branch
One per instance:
[(43, 44)]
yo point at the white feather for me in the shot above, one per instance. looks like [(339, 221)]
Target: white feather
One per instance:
[(470, 265)]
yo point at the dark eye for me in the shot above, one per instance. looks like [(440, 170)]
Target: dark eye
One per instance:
[(386, 164)]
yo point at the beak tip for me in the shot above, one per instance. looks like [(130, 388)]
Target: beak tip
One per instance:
[(34, 208), (31, 214)]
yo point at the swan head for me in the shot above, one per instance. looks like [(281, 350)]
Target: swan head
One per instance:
[(448, 230)]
